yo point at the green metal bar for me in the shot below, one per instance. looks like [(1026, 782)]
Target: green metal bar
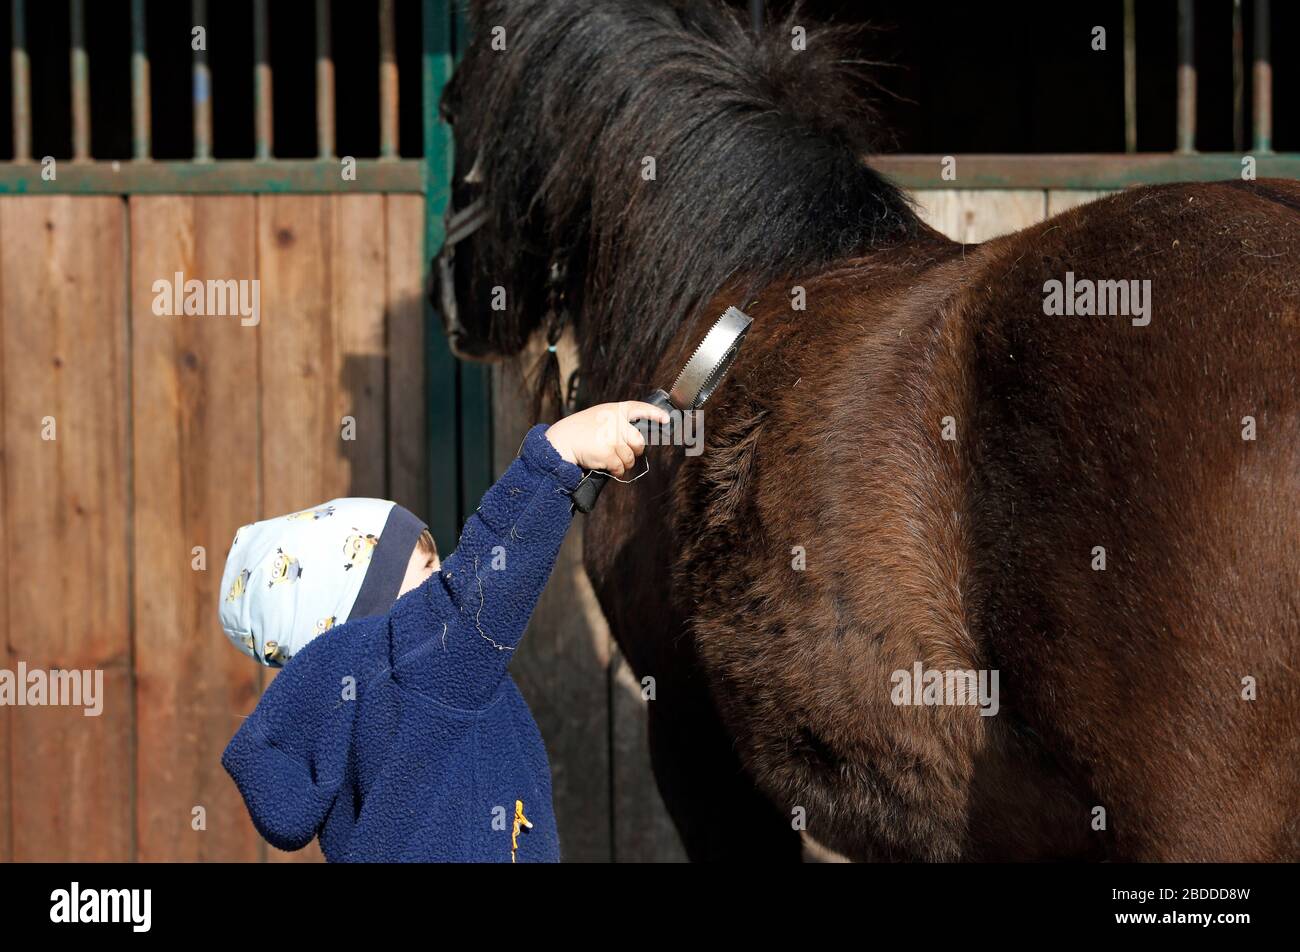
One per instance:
[(1186, 107), (262, 123), (202, 88), (80, 81), (1083, 171), (461, 33), (1262, 117), (243, 177), (141, 132), (1130, 76), (477, 472), (1238, 79), (20, 73), (388, 86), (440, 366), (324, 83)]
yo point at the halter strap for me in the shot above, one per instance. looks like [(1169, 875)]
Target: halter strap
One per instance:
[(462, 224)]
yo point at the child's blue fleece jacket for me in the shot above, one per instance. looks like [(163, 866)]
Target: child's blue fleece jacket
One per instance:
[(401, 736)]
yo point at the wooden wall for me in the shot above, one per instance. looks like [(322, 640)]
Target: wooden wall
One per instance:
[(170, 433), (173, 431)]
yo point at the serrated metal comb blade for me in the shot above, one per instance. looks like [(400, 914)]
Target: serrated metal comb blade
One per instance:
[(711, 360)]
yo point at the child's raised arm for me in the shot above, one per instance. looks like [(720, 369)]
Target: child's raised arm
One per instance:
[(491, 583)]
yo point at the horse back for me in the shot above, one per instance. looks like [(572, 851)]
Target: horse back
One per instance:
[(944, 466)]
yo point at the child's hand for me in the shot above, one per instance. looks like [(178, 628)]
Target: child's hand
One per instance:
[(603, 437)]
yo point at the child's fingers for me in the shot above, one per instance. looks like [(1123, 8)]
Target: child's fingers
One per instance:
[(636, 410), (633, 438), (605, 459), (625, 455)]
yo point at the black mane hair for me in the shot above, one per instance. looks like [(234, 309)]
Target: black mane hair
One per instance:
[(758, 151)]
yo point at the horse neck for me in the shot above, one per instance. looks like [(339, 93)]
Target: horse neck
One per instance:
[(626, 330), (682, 153)]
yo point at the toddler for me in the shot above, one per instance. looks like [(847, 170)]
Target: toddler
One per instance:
[(393, 731)]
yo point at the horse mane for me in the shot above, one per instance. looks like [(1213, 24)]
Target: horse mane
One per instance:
[(758, 152)]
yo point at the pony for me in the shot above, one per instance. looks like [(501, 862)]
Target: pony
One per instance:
[(933, 472)]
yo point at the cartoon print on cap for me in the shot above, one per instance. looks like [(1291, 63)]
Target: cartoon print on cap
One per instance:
[(325, 624), (312, 514), (237, 588), (285, 569), (358, 548)]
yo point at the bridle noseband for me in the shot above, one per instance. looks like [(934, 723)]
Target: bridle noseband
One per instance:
[(457, 226)]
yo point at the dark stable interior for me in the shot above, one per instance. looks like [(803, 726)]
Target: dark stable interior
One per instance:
[(1015, 76)]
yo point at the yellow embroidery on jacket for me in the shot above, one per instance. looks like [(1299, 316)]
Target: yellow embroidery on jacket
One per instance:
[(520, 820)]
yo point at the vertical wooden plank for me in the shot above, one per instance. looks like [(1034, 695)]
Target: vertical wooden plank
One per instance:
[(562, 665), (357, 309), (65, 357), (407, 425), (6, 817), (300, 443), (323, 271), (194, 412), (1062, 199), (299, 436), (322, 267), (973, 215)]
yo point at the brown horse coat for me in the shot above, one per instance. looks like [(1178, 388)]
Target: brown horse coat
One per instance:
[(1121, 688)]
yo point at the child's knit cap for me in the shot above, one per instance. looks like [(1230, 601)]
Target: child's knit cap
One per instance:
[(294, 577)]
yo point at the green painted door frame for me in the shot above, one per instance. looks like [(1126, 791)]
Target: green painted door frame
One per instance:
[(458, 394)]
